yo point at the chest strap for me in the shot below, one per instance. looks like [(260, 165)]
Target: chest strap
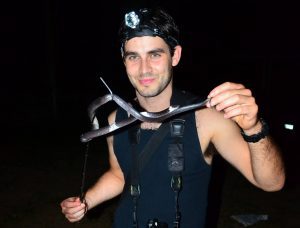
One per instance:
[(134, 138), (139, 160), (176, 163)]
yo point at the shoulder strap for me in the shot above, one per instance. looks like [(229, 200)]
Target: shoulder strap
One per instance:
[(176, 163), (139, 161), (151, 146)]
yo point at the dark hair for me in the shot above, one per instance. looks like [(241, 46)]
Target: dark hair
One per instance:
[(149, 22)]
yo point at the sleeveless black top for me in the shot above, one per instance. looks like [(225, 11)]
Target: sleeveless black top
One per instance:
[(156, 200)]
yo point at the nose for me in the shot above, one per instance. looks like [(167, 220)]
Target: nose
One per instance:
[(145, 66)]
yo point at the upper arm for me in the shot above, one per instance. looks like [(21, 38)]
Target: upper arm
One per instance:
[(226, 137), (113, 161)]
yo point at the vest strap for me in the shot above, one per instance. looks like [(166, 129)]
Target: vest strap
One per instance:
[(176, 163), (134, 138)]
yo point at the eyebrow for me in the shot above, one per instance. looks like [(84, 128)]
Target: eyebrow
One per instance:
[(157, 50), (129, 53)]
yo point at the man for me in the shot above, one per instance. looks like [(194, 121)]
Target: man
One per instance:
[(150, 49)]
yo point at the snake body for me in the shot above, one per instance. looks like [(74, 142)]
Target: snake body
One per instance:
[(134, 115)]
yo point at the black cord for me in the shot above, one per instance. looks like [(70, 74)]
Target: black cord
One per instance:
[(83, 175)]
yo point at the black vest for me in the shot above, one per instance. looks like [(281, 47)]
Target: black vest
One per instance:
[(157, 198)]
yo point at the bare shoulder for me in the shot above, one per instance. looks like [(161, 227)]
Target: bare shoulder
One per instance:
[(207, 119), (111, 120), (210, 123), (204, 130), (112, 117), (210, 120)]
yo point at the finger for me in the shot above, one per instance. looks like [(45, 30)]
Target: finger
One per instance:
[(73, 210), (71, 202), (240, 110), (76, 216), (237, 99), (75, 219), (225, 86), (226, 110), (228, 94)]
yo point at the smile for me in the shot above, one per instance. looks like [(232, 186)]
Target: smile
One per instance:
[(146, 81)]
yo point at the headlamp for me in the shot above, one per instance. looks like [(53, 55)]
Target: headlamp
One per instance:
[(139, 23)]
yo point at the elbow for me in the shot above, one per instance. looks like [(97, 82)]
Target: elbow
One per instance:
[(275, 186)]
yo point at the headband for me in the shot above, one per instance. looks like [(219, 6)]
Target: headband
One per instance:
[(139, 24)]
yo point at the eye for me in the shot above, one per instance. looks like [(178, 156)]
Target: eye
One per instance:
[(132, 58), (155, 55)]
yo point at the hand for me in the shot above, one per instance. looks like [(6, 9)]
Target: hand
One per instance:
[(236, 102), (73, 209)]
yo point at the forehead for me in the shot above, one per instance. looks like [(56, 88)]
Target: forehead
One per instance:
[(145, 44)]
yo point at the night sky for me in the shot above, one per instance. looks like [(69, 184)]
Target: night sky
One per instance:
[(53, 52)]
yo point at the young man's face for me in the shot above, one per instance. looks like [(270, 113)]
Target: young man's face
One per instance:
[(149, 64)]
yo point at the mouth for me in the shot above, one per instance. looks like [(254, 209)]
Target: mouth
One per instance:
[(146, 81)]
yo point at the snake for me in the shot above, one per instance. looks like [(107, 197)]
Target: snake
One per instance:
[(134, 115)]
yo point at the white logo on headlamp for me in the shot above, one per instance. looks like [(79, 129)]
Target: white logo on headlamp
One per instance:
[(132, 19)]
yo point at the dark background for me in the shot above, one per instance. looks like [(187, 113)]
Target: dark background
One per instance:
[(53, 52)]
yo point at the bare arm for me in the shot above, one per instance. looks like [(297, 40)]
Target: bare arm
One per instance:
[(111, 183), (259, 162), (266, 161)]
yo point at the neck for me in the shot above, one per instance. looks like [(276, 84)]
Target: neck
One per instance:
[(157, 103)]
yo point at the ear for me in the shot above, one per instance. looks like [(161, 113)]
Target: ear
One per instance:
[(177, 55)]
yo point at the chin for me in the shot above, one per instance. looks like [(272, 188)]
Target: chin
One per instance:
[(148, 93)]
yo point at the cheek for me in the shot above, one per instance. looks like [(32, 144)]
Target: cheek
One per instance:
[(131, 74), (131, 69), (166, 68)]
